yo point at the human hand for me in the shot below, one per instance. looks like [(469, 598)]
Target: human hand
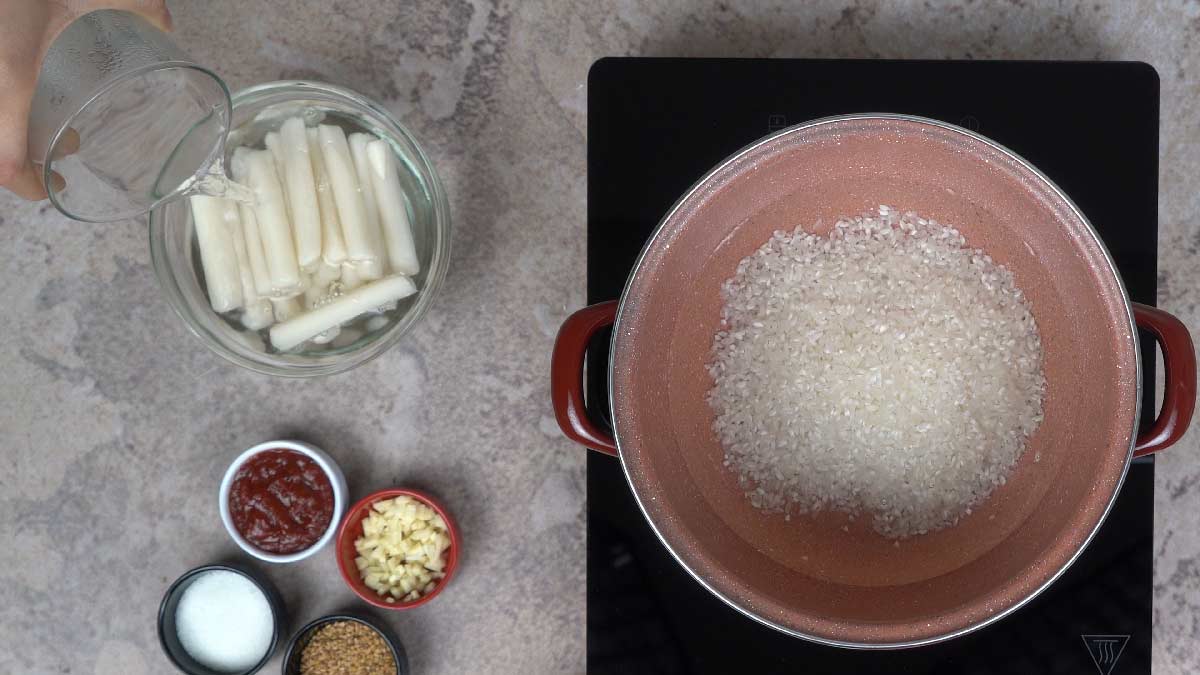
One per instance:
[(27, 29)]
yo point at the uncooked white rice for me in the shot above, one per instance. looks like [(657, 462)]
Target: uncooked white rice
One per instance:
[(885, 369)]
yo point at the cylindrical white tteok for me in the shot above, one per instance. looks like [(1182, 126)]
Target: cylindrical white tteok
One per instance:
[(360, 245), (274, 144), (258, 314), (271, 210), (358, 154), (287, 308), (290, 334), (217, 254), (254, 251), (333, 244), (301, 193), (256, 311), (350, 277), (393, 213), (320, 283)]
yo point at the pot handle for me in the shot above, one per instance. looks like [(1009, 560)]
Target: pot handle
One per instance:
[(566, 376), (1179, 364)]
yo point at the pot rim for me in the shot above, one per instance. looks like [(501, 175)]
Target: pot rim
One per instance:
[(1059, 193)]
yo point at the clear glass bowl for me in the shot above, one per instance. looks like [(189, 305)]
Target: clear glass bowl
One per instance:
[(257, 110)]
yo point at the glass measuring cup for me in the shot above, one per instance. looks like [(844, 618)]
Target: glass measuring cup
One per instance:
[(124, 116)]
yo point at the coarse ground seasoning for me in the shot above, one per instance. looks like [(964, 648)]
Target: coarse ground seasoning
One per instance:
[(346, 648)]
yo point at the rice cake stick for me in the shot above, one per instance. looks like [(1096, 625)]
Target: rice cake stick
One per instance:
[(360, 246), (256, 311), (289, 334), (333, 245), (393, 215), (254, 251), (350, 278), (254, 247), (287, 308), (258, 314), (272, 223), (275, 145), (362, 169), (217, 255), (320, 282), (301, 193)]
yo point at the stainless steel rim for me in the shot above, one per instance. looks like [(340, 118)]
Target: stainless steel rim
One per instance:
[(1091, 230)]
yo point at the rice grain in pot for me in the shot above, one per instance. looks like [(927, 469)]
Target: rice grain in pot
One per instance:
[(886, 369)]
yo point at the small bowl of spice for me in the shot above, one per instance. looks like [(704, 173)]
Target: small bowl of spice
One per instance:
[(220, 619), (344, 644), (281, 501), (397, 548)]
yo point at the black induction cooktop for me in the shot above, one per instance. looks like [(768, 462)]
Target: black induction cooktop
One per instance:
[(655, 126)]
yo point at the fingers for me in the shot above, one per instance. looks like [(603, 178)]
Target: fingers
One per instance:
[(16, 173), (21, 27), (68, 144), (27, 182), (24, 27)]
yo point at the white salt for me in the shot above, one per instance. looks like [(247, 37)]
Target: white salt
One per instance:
[(224, 621)]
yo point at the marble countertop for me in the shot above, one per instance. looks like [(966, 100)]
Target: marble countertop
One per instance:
[(118, 424)]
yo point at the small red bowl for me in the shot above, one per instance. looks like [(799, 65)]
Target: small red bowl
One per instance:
[(351, 530)]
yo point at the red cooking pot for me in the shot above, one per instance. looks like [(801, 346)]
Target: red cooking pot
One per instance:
[(826, 578)]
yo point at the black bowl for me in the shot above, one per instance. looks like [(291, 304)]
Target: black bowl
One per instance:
[(291, 657), (169, 638)]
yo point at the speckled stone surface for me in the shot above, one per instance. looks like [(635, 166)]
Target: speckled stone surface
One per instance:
[(117, 423)]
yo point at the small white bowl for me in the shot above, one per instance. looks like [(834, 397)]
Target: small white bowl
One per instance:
[(336, 479)]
